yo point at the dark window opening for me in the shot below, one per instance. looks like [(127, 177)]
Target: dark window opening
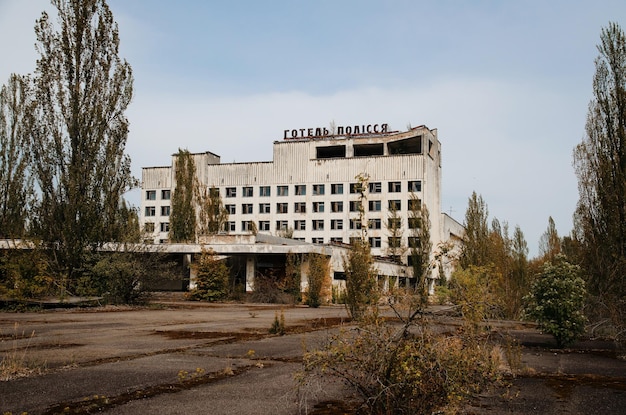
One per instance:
[(362, 150), (330, 152), (411, 145)]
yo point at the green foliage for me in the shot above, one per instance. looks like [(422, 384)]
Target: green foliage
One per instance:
[(396, 370), (25, 274), (475, 244), (212, 276), (361, 286), (317, 279), (556, 301), (81, 90), (293, 276), (183, 211), (600, 163), (278, 326), (474, 291), (421, 249), (16, 181), (212, 215)]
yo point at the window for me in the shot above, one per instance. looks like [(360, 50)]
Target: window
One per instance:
[(414, 242), (150, 211), (214, 192), (318, 189), (336, 189), (265, 191), (281, 225), (375, 242), (165, 226), (318, 207), (395, 204), (355, 224), (356, 187), (247, 191), (317, 240), (395, 187), (282, 190), (415, 186), (415, 204), (281, 208), (264, 208), (414, 223), (150, 194), (336, 206), (336, 224), (229, 226), (264, 225), (165, 210), (299, 207), (336, 240), (246, 208), (231, 192), (375, 187), (299, 225), (374, 223), (393, 242), (149, 227), (374, 205), (318, 225), (246, 225), (166, 194), (230, 209), (394, 223), (355, 205), (300, 189)]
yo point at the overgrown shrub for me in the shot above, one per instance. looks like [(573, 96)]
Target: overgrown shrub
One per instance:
[(556, 301), (25, 274), (361, 286), (318, 280), (212, 275), (473, 290), (398, 369)]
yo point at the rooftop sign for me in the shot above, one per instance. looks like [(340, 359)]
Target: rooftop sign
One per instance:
[(317, 133)]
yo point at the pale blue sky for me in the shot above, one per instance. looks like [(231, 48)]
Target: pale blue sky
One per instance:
[(506, 83)]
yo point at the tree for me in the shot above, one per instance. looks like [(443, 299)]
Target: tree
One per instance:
[(317, 279), (16, 181), (600, 163), (476, 242), (550, 242), (361, 285), (212, 275), (212, 215), (395, 248), (420, 245), (183, 212), (82, 89), (556, 301)]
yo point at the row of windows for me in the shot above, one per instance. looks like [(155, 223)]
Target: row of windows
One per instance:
[(151, 211), (320, 189), (315, 224), (165, 194), (163, 227), (320, 207)]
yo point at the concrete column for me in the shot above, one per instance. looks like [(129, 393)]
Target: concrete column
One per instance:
[(250, 270), (187, 261)]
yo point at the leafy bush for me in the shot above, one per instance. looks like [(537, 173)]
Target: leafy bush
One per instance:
[(556, 301), (473, 290), (361, 283), (25, 274), (396, 370), (212, 276), (318, 280)]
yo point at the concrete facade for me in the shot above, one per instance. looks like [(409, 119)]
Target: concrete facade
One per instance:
[(310, 190)]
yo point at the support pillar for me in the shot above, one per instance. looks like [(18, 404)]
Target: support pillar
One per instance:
[(250, 270)]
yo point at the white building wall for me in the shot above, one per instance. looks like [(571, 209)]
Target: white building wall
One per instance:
[(295, 162)]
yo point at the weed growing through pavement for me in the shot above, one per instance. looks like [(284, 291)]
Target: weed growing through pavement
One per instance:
[(14, 363)]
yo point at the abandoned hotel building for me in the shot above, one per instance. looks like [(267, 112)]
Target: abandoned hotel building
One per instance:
[(311, 192)]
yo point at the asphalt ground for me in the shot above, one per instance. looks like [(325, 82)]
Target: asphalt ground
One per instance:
[(190, 358)]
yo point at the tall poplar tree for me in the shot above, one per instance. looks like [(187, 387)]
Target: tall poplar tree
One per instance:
[(476, 241), (183, 214), (16, 185), (600, 163), (82, 89)]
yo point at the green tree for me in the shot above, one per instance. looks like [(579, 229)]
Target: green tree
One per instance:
[(518, 282), (361, 283), (420, 246), (476, 241), (395, 248), (556, 301), (183, 212), (317, 277), (82, 89), (600, 163), (212, 215), (212, 276), (16, 181)]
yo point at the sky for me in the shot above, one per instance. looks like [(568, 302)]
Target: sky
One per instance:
[(505, 83)]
